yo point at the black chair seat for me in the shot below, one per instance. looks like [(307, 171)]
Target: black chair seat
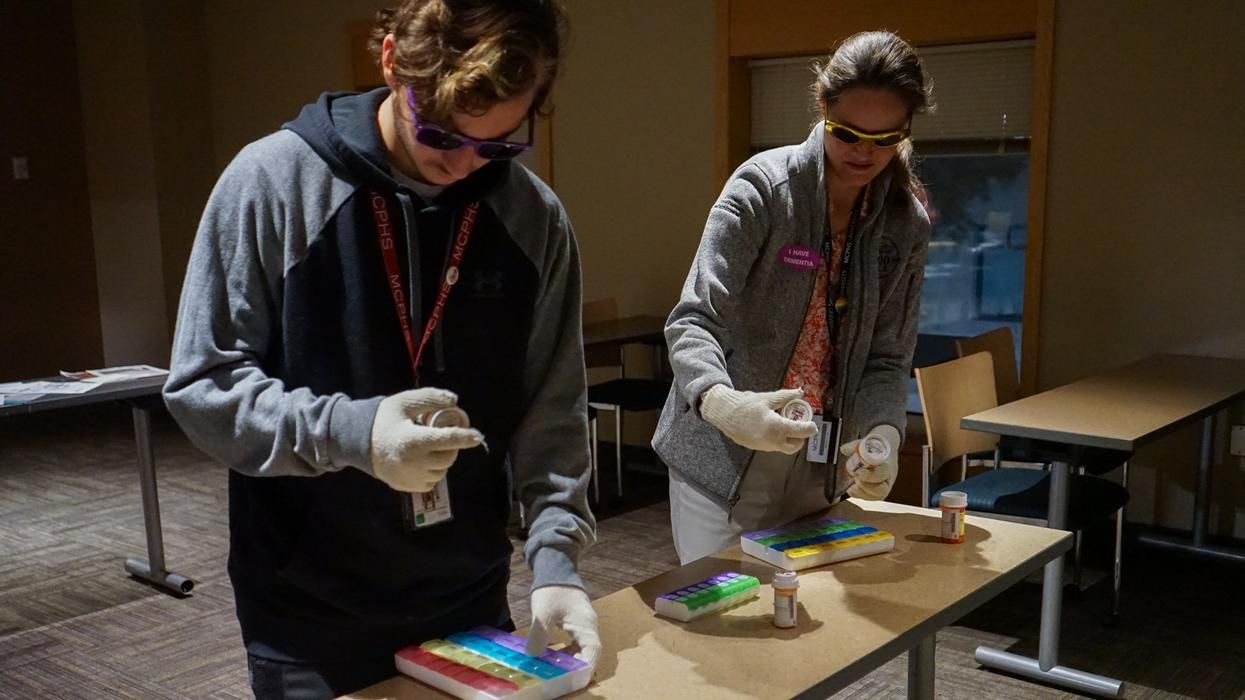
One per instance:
[(631, 394), (1025, 493)]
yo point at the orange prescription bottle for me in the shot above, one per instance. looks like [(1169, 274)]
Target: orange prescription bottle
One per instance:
[(785, 585), (953, 504)]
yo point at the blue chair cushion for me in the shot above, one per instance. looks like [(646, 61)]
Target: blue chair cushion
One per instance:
[(636, 394), (1025, 493)]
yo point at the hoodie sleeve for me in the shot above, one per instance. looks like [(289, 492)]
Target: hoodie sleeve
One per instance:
[(255, 224), (699, 325), (549, 452)]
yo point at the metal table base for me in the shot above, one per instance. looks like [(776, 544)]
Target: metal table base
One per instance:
[(153, 569), (921, 670), (1046, 668), (1201, 510)]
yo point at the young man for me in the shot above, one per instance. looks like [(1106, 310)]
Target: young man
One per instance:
[(379, 259)]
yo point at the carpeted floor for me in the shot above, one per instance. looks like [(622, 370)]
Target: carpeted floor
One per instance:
[(73, 625)]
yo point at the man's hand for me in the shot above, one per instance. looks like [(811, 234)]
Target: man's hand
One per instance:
[(411, 457), (567, 607)]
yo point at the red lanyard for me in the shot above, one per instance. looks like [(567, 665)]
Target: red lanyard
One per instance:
[(384, 231)]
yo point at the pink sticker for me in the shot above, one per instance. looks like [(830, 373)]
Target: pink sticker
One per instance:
[(799, 257)]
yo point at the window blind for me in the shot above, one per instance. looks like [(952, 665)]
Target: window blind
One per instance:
[(983, 93)]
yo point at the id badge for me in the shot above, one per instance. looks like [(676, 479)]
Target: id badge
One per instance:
[(432, 508), (825, 441)]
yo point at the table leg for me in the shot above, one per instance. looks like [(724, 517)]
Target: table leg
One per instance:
[(1201, 509), (153, 569), (1201, 499), (1046, 667), (921, 670)]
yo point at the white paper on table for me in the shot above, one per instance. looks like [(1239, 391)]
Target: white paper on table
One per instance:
[(46, 388), (116, 374), (16, 399)]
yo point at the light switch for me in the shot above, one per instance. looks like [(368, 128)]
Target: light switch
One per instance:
[(21, 169)]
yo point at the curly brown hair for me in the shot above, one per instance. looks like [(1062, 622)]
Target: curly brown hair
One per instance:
[(468, 55)]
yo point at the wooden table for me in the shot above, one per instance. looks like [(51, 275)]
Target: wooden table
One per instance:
[(853, 617), (141, 395), (1120, 410)]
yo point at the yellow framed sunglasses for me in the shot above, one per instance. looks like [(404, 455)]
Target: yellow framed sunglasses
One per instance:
[(848, 135)]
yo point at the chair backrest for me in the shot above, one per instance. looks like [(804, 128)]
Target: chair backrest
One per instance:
[(1001, 346), (949, 392), (601, 356)]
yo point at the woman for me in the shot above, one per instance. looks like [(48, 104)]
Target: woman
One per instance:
[(806, 285)]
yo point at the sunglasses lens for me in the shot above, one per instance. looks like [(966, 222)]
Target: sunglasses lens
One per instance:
[(439, 139), (499, 151), (889, 141), (844, 135)]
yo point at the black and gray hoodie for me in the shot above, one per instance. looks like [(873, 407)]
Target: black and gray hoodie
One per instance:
[(287, 339)]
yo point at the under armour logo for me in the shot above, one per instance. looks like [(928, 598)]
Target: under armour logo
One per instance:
[(488, 283)]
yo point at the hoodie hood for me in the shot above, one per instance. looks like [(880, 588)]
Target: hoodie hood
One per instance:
[(341, 128)]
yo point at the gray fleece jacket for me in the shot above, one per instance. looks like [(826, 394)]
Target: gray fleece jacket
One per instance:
[(742, 309)]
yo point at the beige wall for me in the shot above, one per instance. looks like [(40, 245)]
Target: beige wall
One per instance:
[(1144, 244), (49, 314), (181, 136), (633, 144), (633, 152), (120, 167), (143, 71), (269, 59)]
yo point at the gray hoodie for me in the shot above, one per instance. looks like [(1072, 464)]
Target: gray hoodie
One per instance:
[(742, 309), (288, 338)]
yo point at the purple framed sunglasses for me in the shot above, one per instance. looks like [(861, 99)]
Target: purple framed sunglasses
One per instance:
[(434, 136)]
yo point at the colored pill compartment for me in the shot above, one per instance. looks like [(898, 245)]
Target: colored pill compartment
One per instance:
[(484, 663), (807, 544), (707, 597)]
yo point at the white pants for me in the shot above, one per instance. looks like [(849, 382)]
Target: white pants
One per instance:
[(777, 489)]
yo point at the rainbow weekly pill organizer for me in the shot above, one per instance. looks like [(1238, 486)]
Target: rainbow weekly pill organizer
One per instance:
[(805, 544), (708, 597), (485, 663)]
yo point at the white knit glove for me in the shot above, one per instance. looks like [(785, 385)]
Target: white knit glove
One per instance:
[(750, 419), (411, 457), (872, 481), (567, 607)]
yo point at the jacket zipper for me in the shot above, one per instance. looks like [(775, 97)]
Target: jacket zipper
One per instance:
[(842, 379)]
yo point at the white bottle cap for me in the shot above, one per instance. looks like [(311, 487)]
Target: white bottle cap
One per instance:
[(797, 410), (452, 417), (786, 580), (953, 499), (873, 450)]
